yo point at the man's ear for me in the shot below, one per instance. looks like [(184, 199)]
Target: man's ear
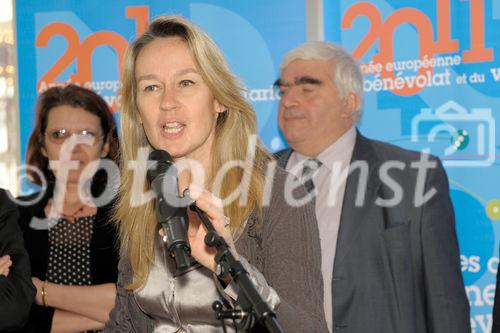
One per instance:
[(351, 105)]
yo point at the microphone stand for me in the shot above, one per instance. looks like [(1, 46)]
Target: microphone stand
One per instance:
[(252, 304)]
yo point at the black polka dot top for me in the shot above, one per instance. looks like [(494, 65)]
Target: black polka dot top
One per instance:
[(69, 251)]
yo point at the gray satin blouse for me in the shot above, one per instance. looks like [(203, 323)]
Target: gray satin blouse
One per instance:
[(184, 303)]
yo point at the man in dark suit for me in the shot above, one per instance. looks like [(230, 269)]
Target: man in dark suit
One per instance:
[(16, 290), (390, 257)]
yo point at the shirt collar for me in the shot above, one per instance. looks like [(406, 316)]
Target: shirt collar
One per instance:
[(339, 151)]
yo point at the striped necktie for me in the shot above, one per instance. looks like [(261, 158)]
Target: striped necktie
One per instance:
[(309, 169)]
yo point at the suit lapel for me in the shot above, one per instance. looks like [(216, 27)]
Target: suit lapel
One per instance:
[(354, 216)]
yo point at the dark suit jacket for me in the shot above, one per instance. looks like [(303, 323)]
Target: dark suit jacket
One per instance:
[(103, 254), (396, 269), (16, 290)]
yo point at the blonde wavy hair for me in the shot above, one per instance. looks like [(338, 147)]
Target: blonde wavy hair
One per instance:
[(138, 225)]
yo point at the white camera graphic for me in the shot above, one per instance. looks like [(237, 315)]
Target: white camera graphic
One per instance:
[(459, 137)]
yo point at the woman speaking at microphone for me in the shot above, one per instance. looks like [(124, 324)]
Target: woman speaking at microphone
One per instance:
[(179, 95)]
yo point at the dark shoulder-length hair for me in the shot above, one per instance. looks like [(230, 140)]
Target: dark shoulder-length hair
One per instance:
[(74, 96)]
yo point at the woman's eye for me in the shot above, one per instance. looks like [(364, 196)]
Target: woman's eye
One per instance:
[(87, 134), (186, 83), (152, 87), (62, 133)]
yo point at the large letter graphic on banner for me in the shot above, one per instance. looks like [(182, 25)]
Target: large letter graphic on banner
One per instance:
[(99, 38), (71, 36), (372, 13), (82, 53), (141, 16), (444, 44), (477, 51), (423, 27), (384, 31)]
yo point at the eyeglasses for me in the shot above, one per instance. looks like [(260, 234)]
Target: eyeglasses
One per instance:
[(59, 136)]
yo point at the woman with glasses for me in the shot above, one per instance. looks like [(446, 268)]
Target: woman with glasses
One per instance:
[(66, 231)]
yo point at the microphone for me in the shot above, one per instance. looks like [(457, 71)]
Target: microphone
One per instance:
[(171, 209)]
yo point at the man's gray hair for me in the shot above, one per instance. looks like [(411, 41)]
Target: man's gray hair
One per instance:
[(346, 74)]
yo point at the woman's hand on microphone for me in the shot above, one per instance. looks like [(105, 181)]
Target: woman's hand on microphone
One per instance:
[(212, 206)]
